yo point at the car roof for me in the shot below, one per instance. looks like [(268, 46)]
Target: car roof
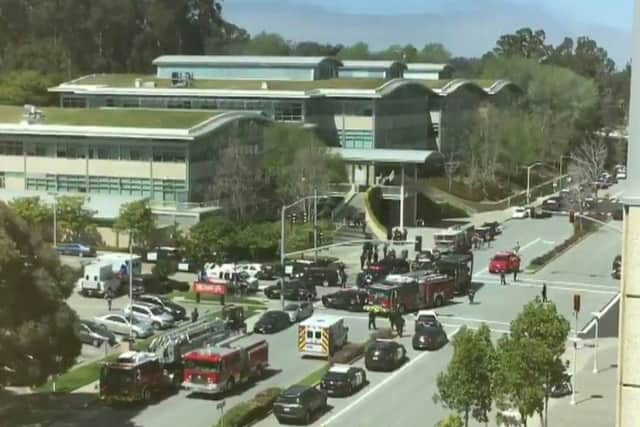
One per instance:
[(427, 313), (340, 368), (503, 254), (143, 304)]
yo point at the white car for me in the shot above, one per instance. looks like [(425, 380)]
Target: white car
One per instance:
[(152, 314), (427, 318), (299, 310), (520, 213)]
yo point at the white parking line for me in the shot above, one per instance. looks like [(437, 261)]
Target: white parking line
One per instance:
[(379, 385)]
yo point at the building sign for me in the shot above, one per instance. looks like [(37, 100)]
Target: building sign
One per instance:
[(217, 288)]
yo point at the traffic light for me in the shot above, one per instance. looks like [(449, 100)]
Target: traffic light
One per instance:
[(418, 244), (572, 216), (576, 303), (321, 237), (305, 217), (294, 218)]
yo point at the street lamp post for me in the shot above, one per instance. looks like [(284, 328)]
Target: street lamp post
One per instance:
[(596, 315), (564, 156), (573, 376), (315, 224), (529, 180)]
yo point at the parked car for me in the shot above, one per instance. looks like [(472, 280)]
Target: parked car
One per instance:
[(346, 299), (384, 355), (160, 253), (270, 272), (299, 310), (151, 284), (95, 334), (494, 226), (343, 380), (119, 324), (150, 313), (177, 311), (294, 290), (520, 213), (379, 270), (553, 204), (429, 338), (271, 322), (299, 403), (76, 249), (504, 262)]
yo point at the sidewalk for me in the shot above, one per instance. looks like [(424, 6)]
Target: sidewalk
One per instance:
[(595, 393)]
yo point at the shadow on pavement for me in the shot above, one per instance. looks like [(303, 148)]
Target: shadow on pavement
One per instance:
[(62, 410)]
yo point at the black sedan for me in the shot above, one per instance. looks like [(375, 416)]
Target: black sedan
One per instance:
[(96, 335), (294, 290), (384, 355), (343, 380), (271, 322), (299, 403), (347, 299), (429, 338)]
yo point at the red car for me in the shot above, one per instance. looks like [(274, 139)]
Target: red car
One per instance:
[(504, 262)]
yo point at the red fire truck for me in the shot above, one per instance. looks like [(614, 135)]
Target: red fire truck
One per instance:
[(141, 376), (410, 292), (218, 369)]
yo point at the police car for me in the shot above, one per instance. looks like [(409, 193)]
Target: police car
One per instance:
[(343, 380)]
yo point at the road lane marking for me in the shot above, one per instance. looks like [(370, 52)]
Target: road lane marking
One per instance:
[(556, 282), (548, 242), (380, 385), (555, 287), (523, 248)]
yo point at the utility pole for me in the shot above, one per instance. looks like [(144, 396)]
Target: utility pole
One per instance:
[(130, 285), (282, 252)]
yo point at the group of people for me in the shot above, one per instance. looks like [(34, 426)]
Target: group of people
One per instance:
[(480, 240), (395, 319), (370, 255)]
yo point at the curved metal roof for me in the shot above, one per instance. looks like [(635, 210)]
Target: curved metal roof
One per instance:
[(372, 65)]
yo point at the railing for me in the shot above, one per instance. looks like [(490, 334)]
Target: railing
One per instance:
[(392, 191), (547, 187), (373, 222)]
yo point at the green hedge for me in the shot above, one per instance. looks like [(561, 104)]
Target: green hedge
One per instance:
[(250, 411), (581, 228)]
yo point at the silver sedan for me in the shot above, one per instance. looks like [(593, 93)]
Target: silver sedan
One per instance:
[(119, 324), (299, 310)]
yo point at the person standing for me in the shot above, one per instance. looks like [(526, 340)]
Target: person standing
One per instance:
[(375, 255), (364, 227), (544, 292), (515, 274), (369, 256), (362, 259), (392, 320), (195, 315), (109, 299), (343, 277), (372, 320), (516, 248), (399, 324), (385, 249), (503, 278)]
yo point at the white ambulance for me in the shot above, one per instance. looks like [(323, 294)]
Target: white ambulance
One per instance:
[(322, 335)]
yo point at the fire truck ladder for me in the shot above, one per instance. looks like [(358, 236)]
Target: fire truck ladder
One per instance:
[(172, 345)]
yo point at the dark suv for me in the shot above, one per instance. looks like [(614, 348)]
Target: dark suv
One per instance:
[(384, 355), (294, 290), (346, 299), (299, 403), (379, 270), (177, 311)]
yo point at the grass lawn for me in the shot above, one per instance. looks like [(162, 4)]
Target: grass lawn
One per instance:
[(76, 377), (314, 377), (134, 117)]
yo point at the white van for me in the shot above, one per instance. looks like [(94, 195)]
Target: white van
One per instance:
[(322, 335), (98, 279), (120, 264)]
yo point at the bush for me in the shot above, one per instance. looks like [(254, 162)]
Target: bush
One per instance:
[(250, 411), (348, 353)]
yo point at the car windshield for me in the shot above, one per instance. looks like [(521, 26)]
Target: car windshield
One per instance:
[(427, 320), (336, 376), (501, 258), (271, 316), (202, 366), (291, 307), (289, 400)]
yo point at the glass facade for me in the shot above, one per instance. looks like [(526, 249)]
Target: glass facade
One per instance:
[(351, 138), (209, 72)]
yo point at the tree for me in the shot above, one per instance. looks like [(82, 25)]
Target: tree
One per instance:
[(466, 386), (529, 359), (267, 44), (525, 43), (34, 212), (208, 241), (137, 218), (37, 334), (434, 52), (309, 48), (259, 241), (588, 160), (74, 220), (358, 51)]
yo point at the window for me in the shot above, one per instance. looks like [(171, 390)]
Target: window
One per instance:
[(318, 335), (74, 102), (11, 148), (288, 112), (109, 102), (133, 153), (309, 334), (169, 155), (105, 152)]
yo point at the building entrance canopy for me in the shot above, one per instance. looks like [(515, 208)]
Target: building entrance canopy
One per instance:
[(386, 156)]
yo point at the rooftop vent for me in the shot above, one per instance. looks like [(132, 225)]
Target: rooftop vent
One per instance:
[(138, 83), (32, 115), (264, 86)]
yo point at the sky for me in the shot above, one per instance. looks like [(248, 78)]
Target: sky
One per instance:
[(466, 27)]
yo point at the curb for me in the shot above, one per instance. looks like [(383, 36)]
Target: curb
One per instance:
[(533, 270)]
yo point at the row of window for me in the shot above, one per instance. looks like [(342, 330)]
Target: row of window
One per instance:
[(158, 189), (350, 138), (286, 111), (94, 151)]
